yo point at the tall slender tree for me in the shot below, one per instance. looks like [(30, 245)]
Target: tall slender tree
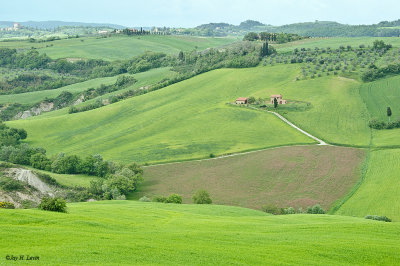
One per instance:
[(275, 103), (389, 113)]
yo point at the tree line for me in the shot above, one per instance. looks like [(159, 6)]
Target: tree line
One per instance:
[(117, 180), (272, 37), (237, 55)]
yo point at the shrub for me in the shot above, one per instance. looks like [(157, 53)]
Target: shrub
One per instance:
[(53, 204), (201, 197), (289, 210), (144, 199), (9, 184), (378, 218), (375, 124), (317, 209), (66, 164), (40, 161), (252, 100), (6, 205), (174, 198), (121, 183), (272, 209), (28, 204), (117, 195), (159, 199)]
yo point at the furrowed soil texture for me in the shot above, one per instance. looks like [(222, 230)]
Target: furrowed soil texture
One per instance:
[(283, 177)]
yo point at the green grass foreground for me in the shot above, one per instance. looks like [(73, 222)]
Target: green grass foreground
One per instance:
[(125, 232)]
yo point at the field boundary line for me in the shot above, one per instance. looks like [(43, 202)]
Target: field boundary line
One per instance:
[(320, 143), (230, 155)]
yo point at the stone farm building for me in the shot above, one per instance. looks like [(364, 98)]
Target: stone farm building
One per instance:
[(242, 100), (278, 98)]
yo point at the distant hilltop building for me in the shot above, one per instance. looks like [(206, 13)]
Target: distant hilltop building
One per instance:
[(103, 31), (279, 98), (16, 26)]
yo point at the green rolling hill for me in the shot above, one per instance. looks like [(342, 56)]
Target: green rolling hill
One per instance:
[(194, 119), (169, 124), (378, 193), (120, 47), (187, 120), (379, 95)]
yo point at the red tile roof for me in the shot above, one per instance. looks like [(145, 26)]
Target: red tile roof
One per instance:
[(242, 99)]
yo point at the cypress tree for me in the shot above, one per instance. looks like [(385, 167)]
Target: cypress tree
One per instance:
[(275, 103), (389, 113)]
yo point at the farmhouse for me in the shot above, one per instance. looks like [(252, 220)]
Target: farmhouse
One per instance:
[(242, 100), (278, 97)]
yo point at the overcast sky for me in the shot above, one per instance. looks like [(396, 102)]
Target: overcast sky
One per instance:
[(189, 13)]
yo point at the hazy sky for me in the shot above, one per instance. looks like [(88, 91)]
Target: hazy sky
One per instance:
[(188, 13)]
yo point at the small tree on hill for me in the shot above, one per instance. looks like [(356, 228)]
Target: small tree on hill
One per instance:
[(275, 103), (201, 197), (389, 113), (174, 198)]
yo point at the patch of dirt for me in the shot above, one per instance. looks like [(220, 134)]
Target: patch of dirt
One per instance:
[(290, 176), (34, 189), (29, 177), (43, 107)]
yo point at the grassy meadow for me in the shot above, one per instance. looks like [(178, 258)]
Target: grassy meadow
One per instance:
[(119, 47), (126, 232), (187, 120), (379, 95), (386, 138), (338, 114), (379, 191), (69, 180), (169, 124), (298, 176)]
